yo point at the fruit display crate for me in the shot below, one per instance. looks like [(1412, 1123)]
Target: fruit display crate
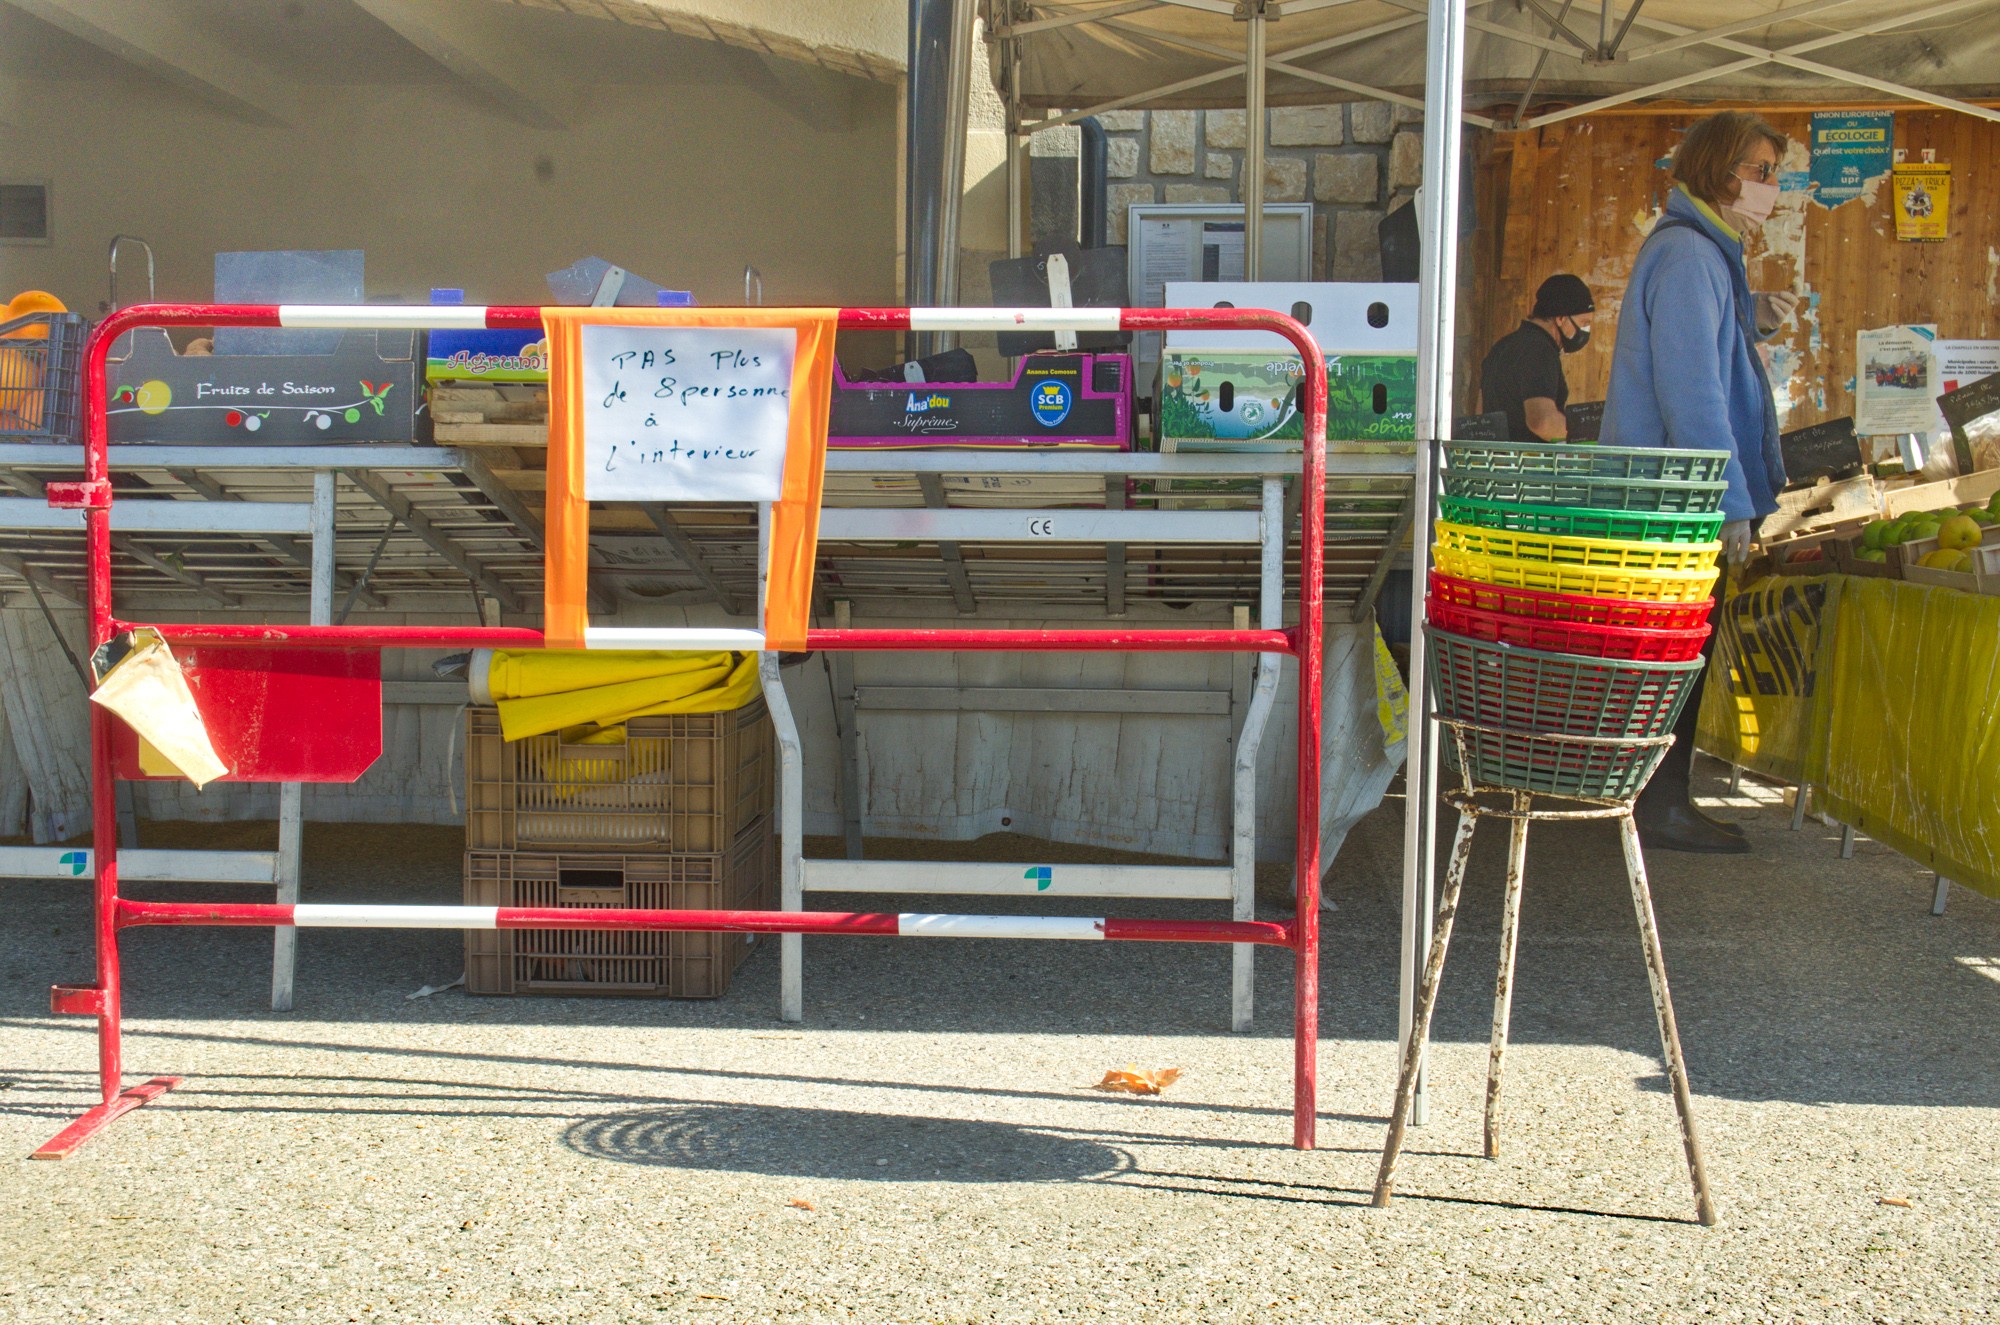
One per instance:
[(41, 377), (629, 963), (1551, 765), (1641, 585), (1630, 643), (1591, 553), (1544, 605), (677, 782), (1550, 461), (1581, 522), (1587, 491), (1531, 692)]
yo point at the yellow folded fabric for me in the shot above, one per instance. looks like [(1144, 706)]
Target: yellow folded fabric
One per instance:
[(587, 695)]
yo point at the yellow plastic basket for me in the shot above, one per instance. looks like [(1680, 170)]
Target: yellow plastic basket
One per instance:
[(1646, 586), (1564, 550)]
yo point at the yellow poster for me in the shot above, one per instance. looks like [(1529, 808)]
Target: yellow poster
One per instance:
[(1922, 194)]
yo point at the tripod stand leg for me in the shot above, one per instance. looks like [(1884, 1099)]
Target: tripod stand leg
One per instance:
[(1503, 986), (1420, 1027), (1663, 1009)]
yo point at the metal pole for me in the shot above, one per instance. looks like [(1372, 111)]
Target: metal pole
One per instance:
[(1444, 98), (957, 109), (1253, 139), (291, 795), (1017, 144)]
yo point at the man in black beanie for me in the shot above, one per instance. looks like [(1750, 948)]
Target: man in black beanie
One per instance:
[(1523, 375)]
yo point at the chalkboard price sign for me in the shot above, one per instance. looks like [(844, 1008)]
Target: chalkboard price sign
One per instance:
[(1480, 427), (1585, 420), (1825, 450), (685, 413)]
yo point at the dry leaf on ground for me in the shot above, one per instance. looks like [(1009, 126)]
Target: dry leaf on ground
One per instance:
[(1132, 1081), (801, 1203), (1893, 1200)]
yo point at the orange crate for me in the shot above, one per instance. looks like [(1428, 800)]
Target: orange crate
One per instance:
[(631, 963), (680, 782)]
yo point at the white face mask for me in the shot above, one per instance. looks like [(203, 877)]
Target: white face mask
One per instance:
[(1755, 200)]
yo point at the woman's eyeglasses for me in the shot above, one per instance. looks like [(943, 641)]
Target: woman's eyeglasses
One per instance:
[(1759, 172)]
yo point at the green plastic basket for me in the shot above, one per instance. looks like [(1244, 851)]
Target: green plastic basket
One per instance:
[(1576, 521), (1550, 765), (1586, 490), (1530, 692), (1550, 461)]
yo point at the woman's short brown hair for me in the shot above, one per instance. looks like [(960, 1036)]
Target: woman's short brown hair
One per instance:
[(1706, 160)]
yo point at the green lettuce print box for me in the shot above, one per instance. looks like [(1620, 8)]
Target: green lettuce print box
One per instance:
[(1240, 391)]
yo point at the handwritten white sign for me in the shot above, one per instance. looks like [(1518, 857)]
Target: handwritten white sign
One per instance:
[(686, 413)]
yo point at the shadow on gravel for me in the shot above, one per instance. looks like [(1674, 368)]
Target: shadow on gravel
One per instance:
[(829, 1143)]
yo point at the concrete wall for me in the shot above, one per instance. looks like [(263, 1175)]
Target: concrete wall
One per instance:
[(680, 159)]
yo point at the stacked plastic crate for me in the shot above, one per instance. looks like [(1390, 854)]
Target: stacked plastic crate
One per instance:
[(1568, 608), (667, 812)]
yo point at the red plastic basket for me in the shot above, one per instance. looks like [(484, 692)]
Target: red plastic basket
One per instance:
[(1628, 643), (1545, 606)]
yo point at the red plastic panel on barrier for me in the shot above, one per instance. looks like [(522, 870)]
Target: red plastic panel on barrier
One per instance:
[(277, 714)]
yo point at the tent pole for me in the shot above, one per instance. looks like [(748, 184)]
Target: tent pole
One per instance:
[(958, 110), (1444, 98), (1253, 152), (1016, 141)]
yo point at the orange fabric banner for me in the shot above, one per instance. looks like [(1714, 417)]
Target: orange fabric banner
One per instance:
[(794, 516)]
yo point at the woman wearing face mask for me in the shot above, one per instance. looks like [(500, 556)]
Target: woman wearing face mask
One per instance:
[(1685, 372), (1522, 375)]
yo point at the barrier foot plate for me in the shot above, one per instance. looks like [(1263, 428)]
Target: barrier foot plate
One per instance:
[(65, 1142)]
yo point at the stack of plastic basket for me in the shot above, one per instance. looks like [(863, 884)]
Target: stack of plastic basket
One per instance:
[(1567, 609)]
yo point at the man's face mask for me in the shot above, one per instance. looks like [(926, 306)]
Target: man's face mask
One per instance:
[(1755, 200), (1577, 337)]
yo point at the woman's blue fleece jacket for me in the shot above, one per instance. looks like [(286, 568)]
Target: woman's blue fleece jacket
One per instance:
[(1685, 371)]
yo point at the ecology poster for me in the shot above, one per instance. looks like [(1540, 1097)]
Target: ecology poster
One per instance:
[(1848, 151)]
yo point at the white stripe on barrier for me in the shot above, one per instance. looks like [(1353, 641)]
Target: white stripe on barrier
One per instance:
[(910, 924), (981, 878), (323, 915), (382, 315), (673, 637), (1014, 319)]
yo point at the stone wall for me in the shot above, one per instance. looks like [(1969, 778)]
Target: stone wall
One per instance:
[(1354, 162)]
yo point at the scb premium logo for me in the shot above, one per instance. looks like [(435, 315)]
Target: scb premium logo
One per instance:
[(1050, 403)]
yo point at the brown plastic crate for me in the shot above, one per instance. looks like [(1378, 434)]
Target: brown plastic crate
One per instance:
[(680, 782), (631, 963)]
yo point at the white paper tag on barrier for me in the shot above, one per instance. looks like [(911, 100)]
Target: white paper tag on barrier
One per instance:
[(686, 413)]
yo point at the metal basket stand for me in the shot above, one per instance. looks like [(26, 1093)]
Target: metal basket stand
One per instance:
[(1473, 802)]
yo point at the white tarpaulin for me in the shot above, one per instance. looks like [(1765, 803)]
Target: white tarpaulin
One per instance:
[(1188, 53)]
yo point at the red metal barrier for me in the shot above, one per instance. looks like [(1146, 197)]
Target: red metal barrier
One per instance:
[(113, 913)]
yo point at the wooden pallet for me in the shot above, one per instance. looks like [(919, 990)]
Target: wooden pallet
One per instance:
[(490, 414)]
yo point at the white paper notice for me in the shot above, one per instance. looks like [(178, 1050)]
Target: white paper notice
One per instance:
[(1961, 363), (1895, 368), (1167, 252), (686, 413)]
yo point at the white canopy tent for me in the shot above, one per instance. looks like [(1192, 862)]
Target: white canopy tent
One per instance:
[(1521, 63)]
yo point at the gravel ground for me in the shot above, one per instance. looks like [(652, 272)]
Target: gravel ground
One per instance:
[(926, 1148)]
